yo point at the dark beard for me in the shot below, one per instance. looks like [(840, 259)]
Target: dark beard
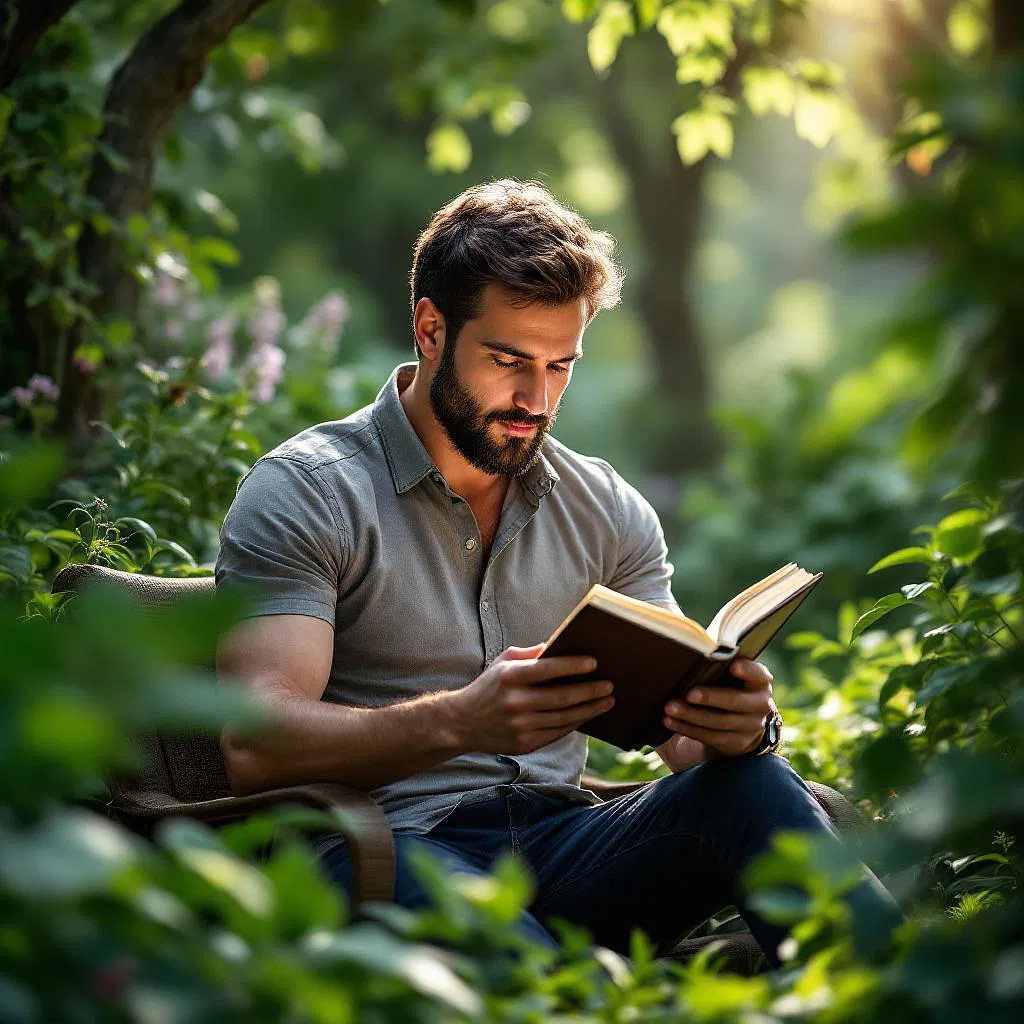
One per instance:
[(466, 425)]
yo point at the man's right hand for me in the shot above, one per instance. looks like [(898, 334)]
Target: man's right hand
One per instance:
[(506, 710)]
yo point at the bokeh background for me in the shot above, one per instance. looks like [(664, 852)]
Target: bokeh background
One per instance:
[(207, 213)]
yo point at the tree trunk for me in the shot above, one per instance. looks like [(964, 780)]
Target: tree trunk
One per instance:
[(1007, 26), (667, 199), (24, 22), (144, 96)]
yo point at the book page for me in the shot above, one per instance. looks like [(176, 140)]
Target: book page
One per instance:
[(729, 609)]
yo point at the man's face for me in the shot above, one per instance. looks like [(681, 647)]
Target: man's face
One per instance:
[(496, 393)]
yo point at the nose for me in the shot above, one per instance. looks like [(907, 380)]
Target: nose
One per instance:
[(532, 395)]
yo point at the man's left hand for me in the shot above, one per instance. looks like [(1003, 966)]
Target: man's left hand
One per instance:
[(727, 720)]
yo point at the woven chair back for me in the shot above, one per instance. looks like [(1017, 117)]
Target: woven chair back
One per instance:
[(185, 765)]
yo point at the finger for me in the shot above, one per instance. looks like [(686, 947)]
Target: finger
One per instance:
[(728, 699), (521, 653), (723, 721), (750, 671), (573, 716), (725, 742), (564, 695), (543, 670)]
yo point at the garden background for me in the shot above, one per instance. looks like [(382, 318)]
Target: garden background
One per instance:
[(207, 211)]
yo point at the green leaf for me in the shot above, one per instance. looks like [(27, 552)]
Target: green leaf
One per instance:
[(913, 590), (905, 556), (613, 24), (579, 10), (705, 129), (68, 853), (420, 967), (694, 24), (216, 250), (448, 149), (27, 473), (903, 676), (174, 547), (816, 116), (959, 535), (6, 107), (966, 28), (138, 526), (16, 561), (119, 333), (768, 89), (706, 67), (882, 608), (944, 679)]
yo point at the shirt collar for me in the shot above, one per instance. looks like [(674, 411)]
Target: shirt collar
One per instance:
[(410, 462)]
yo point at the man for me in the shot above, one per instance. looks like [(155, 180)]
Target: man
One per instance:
[(410, 560)]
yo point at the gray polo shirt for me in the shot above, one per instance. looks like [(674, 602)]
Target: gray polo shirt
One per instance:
[(351, 522)]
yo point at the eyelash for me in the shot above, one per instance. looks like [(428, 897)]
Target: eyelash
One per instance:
[(516, 363)]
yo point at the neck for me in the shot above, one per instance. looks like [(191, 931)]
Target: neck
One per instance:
[(463, 477)]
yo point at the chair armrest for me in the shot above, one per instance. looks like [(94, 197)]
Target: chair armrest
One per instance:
[(363, 823)]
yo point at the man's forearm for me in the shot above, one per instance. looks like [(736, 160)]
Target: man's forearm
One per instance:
[(316, 741)]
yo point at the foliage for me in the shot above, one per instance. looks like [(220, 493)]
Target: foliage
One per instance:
[(910, 702)]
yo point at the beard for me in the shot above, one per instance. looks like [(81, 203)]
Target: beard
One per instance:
[(468, 426)]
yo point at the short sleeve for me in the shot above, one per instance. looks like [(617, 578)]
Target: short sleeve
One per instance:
[(281, 543), (642, 567)]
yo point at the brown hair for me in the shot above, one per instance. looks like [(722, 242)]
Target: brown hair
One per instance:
[(514, 234)]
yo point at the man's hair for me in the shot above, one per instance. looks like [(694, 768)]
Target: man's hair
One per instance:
[(514, 234)]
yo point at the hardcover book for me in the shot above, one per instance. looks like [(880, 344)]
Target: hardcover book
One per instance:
[(652, 655)]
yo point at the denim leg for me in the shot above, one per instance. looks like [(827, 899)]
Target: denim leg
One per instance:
[(466, 851), (667, 856)]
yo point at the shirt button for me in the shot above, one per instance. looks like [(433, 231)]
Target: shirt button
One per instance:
[(437, 479), (486, 605), (470, 543)]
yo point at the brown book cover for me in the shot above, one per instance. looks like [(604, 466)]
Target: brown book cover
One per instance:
[(652, 655)]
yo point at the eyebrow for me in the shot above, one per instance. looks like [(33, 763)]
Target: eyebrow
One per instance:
[(511, 350)]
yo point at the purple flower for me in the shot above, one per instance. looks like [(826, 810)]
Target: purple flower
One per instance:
[(217, 358), (85, 364), (165, 289), (44, 387), (23, 396), (266, 364), (326, 319), (266, 324)]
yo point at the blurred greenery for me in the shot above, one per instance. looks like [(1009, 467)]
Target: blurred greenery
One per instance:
[(820, 205)]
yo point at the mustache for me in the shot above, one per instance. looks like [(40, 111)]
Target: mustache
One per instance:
[(511, 416)]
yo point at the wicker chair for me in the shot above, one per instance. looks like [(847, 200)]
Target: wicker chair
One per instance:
[(183, 775)]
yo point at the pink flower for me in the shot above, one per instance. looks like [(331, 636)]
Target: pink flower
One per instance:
[(44, 387), (266, 363), (326, 319), (266, 324), (217, 358), (165, 289), (85, 364), (23, 396)]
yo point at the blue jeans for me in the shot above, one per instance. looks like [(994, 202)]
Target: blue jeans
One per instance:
[(663, 858)]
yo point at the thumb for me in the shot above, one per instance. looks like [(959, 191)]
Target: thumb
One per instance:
[(521, 653)]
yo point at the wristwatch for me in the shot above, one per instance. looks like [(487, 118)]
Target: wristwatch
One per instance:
[(772, 739)]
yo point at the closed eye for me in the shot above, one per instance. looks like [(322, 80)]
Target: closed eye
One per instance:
[(516, 364)]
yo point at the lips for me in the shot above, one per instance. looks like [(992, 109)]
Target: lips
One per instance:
[(520, 429)]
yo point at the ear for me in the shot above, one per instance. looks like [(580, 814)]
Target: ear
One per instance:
[(429, 328)]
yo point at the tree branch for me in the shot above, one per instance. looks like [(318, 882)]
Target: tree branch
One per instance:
[(144, 96), (23, 25)]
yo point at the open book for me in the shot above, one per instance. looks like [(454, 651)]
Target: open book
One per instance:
[(652, 654)]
